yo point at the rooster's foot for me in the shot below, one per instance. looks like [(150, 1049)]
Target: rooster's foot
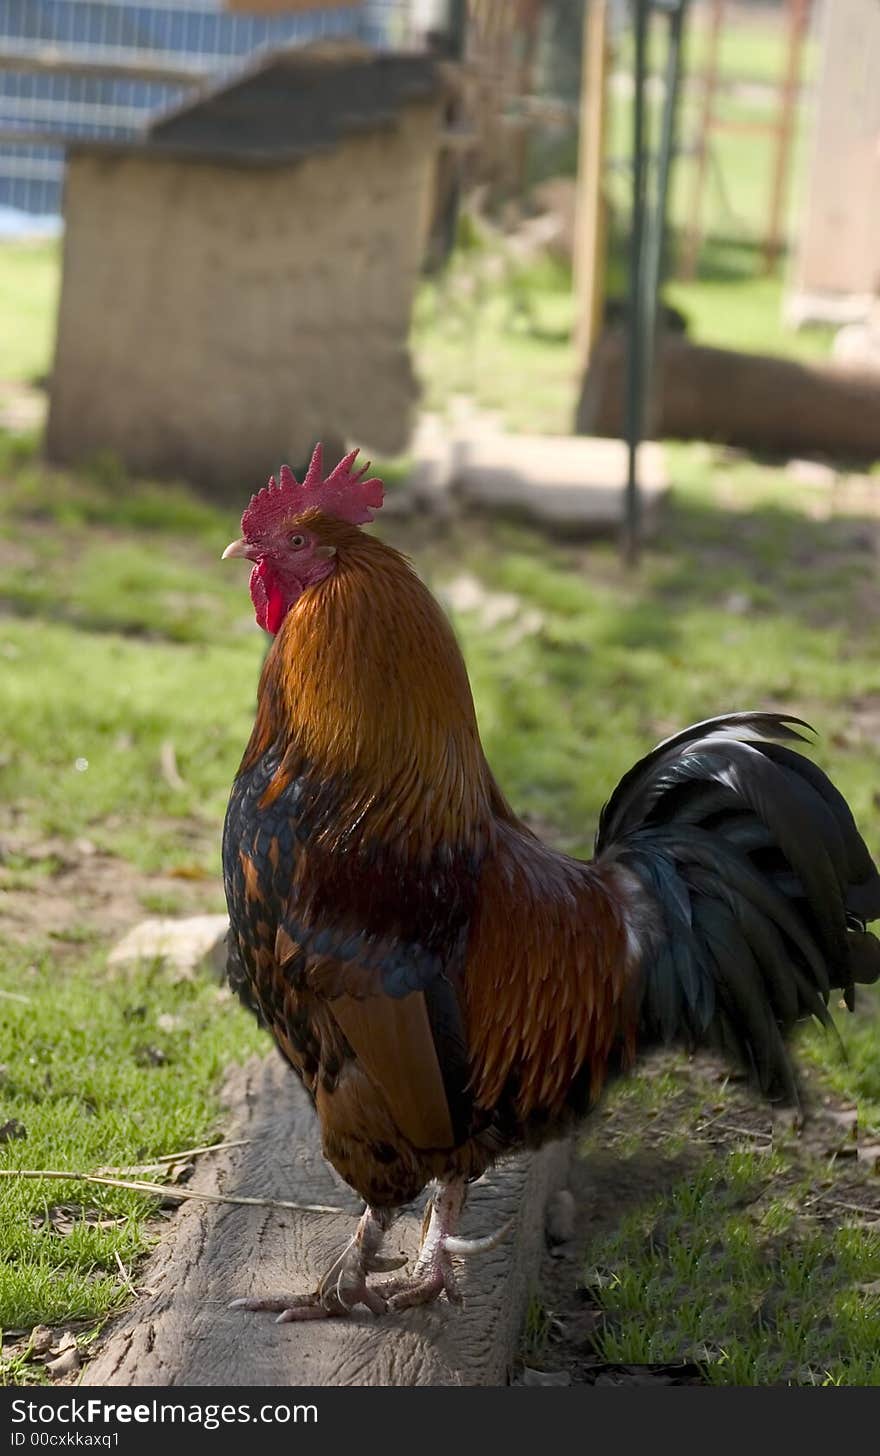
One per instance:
[(433, 1274), (344, 1286)]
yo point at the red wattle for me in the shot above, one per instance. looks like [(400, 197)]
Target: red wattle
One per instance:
[(270, 604)]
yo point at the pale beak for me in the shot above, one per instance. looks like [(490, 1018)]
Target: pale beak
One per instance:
[(238, 548)]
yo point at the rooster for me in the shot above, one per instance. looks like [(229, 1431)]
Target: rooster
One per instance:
[(447, 987)]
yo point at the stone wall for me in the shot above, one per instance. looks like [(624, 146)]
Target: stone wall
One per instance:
[(217, 319)]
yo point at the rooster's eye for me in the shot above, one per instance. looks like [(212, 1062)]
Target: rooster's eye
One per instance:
[(297, 541)]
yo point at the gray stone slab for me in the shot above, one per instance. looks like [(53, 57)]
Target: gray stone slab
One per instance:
[(183, 1333), (570, 483)]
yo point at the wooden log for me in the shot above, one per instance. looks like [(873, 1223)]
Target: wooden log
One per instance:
[(751, 400), (590, 214), (182, 1332)]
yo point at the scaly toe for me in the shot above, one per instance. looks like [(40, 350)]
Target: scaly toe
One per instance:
[(422, 1287), (286, 1306), (315, 1310)]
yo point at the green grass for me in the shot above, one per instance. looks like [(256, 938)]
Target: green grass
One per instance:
[(125, 634), (741, 1265), (29, 283), (121, 633), (120, 630), (720, 1272), (101, 1071)]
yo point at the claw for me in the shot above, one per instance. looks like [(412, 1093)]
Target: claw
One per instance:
[(455, 1245)]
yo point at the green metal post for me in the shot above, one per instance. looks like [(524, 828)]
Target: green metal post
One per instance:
[(655, 241), (635, 349), (647, 248)]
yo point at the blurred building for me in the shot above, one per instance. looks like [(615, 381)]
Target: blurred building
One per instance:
[(239, 282), (103, 68)]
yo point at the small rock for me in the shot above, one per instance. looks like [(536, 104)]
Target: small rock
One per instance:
[(184, 944), (545, 1377), (569, 483), (41, 1339), (869, 1154), (559, 1217)]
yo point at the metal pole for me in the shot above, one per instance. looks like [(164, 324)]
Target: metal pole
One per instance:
[(635, 355), (457, 28), (456, 42), (655, 232)]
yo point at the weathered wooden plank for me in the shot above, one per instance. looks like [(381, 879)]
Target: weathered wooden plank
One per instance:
[(183, 1333)]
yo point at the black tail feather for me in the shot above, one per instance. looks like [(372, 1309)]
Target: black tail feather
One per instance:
[(761, 884)]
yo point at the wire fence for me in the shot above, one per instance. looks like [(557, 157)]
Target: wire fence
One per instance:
[(103, 68)]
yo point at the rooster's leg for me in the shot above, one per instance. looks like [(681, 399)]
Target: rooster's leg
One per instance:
[(345, 1283), (433, 1273)]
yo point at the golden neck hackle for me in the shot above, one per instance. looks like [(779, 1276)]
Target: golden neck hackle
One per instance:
[(366, 684)]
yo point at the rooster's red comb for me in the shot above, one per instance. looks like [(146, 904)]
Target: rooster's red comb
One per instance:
[(345, 494)]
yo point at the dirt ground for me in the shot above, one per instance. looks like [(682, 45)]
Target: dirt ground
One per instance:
[(71, 891)]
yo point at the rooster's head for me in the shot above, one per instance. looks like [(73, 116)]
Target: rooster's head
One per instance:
[(290, 531)]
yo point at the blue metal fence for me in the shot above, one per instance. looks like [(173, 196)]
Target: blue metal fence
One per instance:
[(101, 68)]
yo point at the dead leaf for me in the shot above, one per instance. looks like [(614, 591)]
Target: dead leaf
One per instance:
[(63, 1218), (66, 1364), (180, 1171), (12, 1130), (873, 1288), (188, 872)]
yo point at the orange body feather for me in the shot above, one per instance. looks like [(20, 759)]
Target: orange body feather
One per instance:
[(446, 985), (365, 708)]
